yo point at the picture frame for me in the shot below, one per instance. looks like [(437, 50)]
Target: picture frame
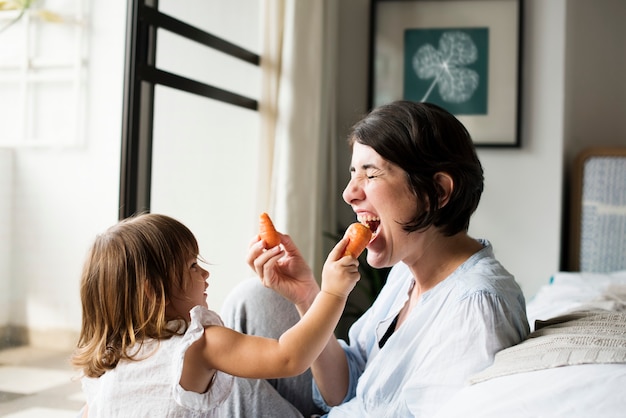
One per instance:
[(463, 55)]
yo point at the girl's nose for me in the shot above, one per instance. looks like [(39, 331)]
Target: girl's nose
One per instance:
[(205, 273)]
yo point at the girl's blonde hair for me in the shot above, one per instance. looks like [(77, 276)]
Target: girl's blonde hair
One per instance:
[(127, 280)]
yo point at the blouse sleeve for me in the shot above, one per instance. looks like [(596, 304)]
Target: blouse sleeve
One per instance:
[(222, 382)]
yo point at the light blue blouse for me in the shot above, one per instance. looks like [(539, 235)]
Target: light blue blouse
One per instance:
[(453, 331)]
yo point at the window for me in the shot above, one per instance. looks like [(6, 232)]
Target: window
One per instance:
[(191, 126), (170, 63), (42, 73)]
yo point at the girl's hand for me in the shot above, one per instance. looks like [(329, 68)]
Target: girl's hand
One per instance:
[(284, 270), (340, 273)]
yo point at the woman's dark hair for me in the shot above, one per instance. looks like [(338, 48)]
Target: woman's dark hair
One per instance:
[(423, 139)]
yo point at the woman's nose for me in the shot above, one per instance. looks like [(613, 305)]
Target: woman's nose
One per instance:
[(351, 192)]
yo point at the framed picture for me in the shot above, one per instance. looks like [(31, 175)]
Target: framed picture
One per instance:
[(463, 55)]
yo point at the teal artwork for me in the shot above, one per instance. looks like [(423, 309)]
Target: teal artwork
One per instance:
[(448, 67)]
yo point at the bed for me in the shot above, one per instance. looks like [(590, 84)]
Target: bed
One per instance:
[(574, 362)]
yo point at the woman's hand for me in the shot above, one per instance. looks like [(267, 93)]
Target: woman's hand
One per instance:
[(284, 270)]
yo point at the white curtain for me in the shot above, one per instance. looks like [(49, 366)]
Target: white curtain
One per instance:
[(297, 110)]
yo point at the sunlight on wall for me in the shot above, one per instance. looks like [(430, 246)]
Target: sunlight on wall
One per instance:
[(6, 193)]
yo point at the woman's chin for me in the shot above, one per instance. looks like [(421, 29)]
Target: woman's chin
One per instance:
[(374, 260)]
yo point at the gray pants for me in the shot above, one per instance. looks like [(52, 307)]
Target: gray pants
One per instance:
[(253, 309)]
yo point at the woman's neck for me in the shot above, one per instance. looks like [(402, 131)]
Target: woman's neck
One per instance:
[(441, 256)]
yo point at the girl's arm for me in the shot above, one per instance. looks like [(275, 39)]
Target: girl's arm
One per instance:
[(257, 357), (330, 369)]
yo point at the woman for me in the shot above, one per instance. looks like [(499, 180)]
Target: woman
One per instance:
[(448, 305)]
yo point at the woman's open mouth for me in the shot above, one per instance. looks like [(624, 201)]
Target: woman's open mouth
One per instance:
[(372, 223)]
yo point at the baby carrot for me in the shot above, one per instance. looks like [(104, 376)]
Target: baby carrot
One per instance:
[(359, 235), (267, 232)]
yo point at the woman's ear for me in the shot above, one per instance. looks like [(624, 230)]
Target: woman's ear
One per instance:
[(445, 185)]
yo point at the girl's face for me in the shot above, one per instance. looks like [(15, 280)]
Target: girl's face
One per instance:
[(193, 294), (379, 194)]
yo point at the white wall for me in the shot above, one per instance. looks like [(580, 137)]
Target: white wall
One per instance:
[(6, 210), (520, 212), (595, 93), (64, 196)]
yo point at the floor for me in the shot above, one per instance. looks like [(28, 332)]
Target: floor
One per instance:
[(35, 382)]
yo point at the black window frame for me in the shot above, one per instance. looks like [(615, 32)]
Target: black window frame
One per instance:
[(140, 78)]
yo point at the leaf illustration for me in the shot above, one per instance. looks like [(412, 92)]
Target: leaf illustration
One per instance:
[(446, 66)]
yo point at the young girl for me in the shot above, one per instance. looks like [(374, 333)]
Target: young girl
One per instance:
[(149, 345)]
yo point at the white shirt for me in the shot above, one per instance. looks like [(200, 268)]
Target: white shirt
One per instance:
[(150, 387), (453, 331)]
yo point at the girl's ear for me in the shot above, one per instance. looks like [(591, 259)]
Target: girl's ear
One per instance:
[(149, 292), (147, 289), (445, 185)]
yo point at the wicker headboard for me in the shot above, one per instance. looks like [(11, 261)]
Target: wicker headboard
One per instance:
[(598, 211)]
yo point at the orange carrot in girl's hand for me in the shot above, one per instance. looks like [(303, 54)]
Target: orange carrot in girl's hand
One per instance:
[(267, 232), (359, 235)]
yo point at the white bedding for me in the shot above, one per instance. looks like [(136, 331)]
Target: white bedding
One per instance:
[(585, 391), (569, 291), (588, 390)]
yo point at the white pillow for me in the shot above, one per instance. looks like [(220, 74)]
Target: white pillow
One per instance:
[(571, 290)]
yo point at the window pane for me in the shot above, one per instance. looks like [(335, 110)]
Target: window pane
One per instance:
[(204, 169), (237, 21), (190, 59)]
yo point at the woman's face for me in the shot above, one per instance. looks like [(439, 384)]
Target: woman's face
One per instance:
[(194, 294), (379, 194)]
